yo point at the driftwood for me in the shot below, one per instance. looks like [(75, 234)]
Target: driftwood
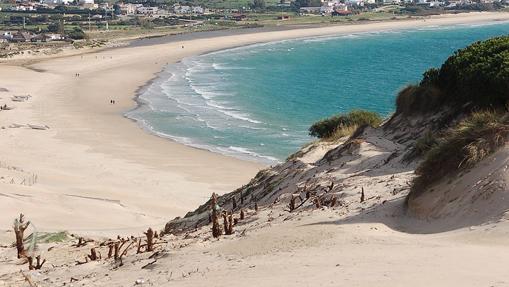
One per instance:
[(291, 205), (333, 201), (82, 242), (150, 240), (140, 246), (38, 264), (19, 229), (93, 255), (228, 223), (318, 202), (362, 195), (148, 264), (28, 280), (110, 249), (116, 248)]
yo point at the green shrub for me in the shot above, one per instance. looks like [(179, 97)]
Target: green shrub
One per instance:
[(416, 99), (477, 74), (344, 124), (472, 140), (77, 34), (430, 77)]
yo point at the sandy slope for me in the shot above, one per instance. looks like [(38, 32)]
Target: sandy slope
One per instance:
[(94, 171)]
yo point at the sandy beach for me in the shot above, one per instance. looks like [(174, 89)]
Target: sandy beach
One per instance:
[(96, 172)]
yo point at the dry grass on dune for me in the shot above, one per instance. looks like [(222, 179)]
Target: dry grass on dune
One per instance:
[(342, 125), (472, 140)]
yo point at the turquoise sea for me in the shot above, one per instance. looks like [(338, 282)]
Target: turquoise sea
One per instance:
[(257, 102)]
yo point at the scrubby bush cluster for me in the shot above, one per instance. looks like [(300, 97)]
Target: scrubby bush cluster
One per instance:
[(344, 124), (476, 75), (474, 83), (76, 34)]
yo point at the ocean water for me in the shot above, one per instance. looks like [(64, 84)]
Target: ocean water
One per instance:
[(257, 102)]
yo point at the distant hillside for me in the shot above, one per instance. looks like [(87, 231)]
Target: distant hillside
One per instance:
[(424, 159)]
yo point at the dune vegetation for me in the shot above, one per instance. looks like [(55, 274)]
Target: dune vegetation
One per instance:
[(342, 125), (477, 75), (473, 84)]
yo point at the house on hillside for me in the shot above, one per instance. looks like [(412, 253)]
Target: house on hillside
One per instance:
[(20, 37), (310, 10), (355, 3), (326, 10), (198, 10), (88, 4), (48, 37), (147, 10), (181, 9), (56, 2), (127, 9), (24, 7), (7, 35), (239, 17)]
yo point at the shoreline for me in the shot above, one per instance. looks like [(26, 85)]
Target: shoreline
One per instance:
[(260, 158), (97, 170)]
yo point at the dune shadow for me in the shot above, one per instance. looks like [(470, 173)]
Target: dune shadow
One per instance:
[(393, 213)]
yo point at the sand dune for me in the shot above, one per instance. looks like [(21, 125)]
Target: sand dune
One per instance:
[(95, 173), (92, 151)]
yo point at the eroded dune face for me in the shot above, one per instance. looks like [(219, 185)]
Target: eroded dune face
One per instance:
[(472, 197)]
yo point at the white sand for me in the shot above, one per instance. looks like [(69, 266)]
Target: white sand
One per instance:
[(96, 171)]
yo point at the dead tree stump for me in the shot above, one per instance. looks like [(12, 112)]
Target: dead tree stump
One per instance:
[(216, 228), (19, 229), (110, 250), (228, 223), (38, 264), (116, 247), (150, 239), (93, 255)]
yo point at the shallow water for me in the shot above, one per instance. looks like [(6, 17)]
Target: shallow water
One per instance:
[(257, 102)]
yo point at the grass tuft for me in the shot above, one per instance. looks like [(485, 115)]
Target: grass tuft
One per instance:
[(344, 124), (472, 140)]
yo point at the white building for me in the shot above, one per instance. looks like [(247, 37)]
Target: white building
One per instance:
[(88, 4), (147, 10), (56, 2), (198, 10), (127, 9), (182, 9), (326, 9), (7, 35), (389, 2)]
